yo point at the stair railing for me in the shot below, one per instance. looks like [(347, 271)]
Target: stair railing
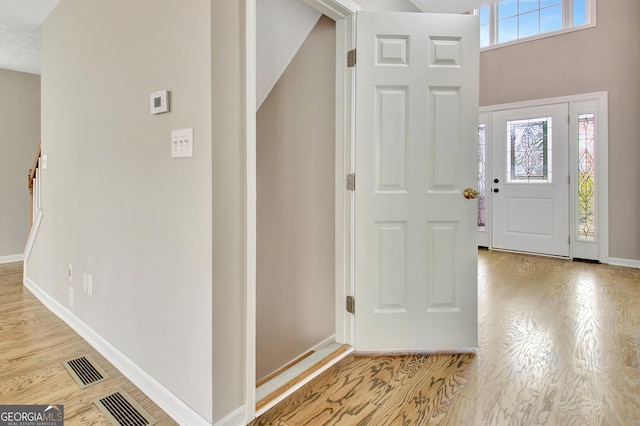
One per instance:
[(33, 183)]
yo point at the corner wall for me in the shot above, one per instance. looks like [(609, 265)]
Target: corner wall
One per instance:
[(229, 186), (115, 205), (20, 127), (604, 58)]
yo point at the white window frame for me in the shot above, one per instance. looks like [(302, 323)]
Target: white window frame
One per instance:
[(567, 16), (597, 103)]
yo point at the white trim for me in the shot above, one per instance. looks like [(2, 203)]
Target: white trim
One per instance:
[(303, 382), (329, 340), (234, 418), (250, 153), (159, 394), (343, 12), (599, 101), (344, 164), (11, 258), (591, 17), (537, 37), (543, 101), (629, 263), (31, 240), (598, 249)]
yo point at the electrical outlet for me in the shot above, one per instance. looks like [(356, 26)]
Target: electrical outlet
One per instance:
[(70, 272), (71, 296), (90, 285), (84, 282)]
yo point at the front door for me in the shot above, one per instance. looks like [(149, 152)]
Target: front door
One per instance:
[(416, 153), (530, 180)]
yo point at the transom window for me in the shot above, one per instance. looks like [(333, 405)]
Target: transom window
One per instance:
[(511, 20)]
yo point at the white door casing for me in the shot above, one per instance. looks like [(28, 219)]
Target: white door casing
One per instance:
[(343, 12), (531, 216), (416, 152)]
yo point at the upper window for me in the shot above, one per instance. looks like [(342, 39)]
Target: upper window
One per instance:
[(511, 20)]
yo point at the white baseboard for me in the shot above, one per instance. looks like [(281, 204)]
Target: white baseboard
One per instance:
[(629, 263), (313, 348), (303, 382), (171, 404), (12, 258), (235, 418)]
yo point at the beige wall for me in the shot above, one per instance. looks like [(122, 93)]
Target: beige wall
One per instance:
[(20, 127), (229, 183), (605, 58), (115, 204), (296, 167)]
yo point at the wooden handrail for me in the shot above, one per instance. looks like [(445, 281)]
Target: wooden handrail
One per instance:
[(32, 175), (34, 169)]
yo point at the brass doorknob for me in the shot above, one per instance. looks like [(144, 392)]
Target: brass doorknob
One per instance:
[(470, 193)]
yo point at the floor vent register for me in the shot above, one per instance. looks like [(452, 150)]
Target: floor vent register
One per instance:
[(121, 409), (85, 371)]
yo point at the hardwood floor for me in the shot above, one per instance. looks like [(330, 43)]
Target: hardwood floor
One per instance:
[(33, 345), (559, 344)]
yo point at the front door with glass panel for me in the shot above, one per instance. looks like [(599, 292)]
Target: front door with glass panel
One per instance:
[(530, 180)]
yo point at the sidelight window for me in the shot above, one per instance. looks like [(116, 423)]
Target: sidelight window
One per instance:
[(586, 177), (482, 170)]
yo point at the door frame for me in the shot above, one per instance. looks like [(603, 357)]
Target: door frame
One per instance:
[(598, 103), (343, 12)]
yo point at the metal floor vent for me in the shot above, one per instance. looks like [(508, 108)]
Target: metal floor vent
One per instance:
[(85, 371), (122, 410)]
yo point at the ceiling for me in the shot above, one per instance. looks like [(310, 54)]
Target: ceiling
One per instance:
[(20, 22)]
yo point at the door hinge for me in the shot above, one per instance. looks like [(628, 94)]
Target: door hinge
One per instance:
[(351, 305), (351, 58), (351, 182), (569, 179), (569, 239)]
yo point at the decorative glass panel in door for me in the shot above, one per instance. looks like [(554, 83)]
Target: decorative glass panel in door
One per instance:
[(529, 150)]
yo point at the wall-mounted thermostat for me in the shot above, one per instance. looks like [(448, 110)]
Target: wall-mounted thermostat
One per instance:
[(160, 102)]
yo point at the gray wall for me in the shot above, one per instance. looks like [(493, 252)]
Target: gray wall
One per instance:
[(296, 168), (605, 58), (20, 126), (115, 205)]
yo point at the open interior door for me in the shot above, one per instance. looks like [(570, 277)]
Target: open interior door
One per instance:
[(416, 153)]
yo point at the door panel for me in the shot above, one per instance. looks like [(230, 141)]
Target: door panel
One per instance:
[(530, 198), (416, 152)]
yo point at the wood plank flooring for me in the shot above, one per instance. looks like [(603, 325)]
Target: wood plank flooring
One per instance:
[(559, 345), (34, 343)]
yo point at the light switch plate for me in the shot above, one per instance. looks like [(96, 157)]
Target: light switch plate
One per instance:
[(182, 143)]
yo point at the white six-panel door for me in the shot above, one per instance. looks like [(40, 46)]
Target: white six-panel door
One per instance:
[(416, 152)]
